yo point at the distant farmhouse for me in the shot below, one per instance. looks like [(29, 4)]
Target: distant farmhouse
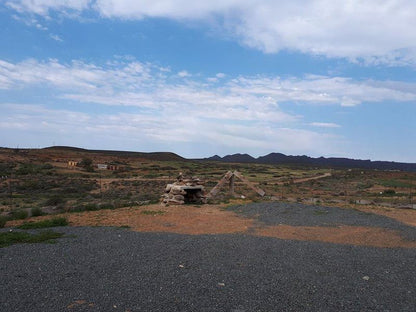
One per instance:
[(72, 164), (113, 167)]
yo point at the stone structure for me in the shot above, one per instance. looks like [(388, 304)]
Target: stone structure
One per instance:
[(184, 191)]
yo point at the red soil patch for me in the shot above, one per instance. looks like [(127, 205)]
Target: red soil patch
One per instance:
[(175, 219), (350, 235), (407, 216)]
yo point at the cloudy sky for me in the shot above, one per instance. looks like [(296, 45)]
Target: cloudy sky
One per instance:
[(198, 78)]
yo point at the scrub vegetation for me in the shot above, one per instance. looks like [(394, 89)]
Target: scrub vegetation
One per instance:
[(36, 182)]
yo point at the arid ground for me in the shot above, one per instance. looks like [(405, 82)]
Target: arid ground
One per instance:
[(41, 182), (218, 219), (321, 239)]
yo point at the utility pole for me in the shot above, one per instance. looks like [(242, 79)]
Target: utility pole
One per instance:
[(101, 191), (11, 190)]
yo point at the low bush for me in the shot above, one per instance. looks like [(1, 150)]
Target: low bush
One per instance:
[(25, 169), (91, 207), (36, 212), (3, 221), (395, 183), (151, 198), (46, 166), (10, 238), (58, 221), (19, 214), (106, 206), (389, 192), (78, 208), (55, 200)]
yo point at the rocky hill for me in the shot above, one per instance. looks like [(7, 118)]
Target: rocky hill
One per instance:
[(279, 158)]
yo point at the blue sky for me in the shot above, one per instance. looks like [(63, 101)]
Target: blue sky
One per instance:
[(321, 78)]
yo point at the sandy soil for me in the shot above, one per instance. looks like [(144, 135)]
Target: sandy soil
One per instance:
[(349, 235), (406, 216), (176, 219)]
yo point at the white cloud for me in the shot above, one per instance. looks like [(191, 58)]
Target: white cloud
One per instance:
[(149, 106), (42, 7), (129, 82), (76, 75), (183, 74), (372, 31), (324, 89), (348, 102), (40, 26), (33, 22), (56, 38), (34, 124), (325, 124)]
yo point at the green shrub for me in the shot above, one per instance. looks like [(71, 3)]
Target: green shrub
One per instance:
[(36, 212), (77, 208), (25, 169), (58, 221), (55, 200), (86, 163), (106, 206), (3, 221), (389, 192), (46, 166), (10, 238), (395, 183), (19, 214), (91, 207)]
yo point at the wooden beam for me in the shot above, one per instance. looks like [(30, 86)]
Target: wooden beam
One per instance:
[(232, 178), (223, 181), (249, 184)]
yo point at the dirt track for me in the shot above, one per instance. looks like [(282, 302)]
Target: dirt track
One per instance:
[(325, 175)]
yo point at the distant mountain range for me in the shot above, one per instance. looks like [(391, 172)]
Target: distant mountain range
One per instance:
[(272, 158), (278, 158), (159, 156)]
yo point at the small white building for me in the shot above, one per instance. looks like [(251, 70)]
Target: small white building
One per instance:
[(102, 166)]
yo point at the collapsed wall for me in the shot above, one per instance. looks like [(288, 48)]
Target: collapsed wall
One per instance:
[(184, 191)]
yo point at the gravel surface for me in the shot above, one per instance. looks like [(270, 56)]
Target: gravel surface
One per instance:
[(275, 213), (113, 269)]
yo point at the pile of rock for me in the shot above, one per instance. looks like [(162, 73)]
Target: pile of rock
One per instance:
[(184, 191)]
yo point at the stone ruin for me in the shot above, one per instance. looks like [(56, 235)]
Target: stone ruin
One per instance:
[(184, 191), (191, 191)]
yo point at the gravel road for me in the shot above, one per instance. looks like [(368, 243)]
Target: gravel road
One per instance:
[(114, 269)]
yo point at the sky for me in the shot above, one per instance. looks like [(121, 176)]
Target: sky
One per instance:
[(325, 78)]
